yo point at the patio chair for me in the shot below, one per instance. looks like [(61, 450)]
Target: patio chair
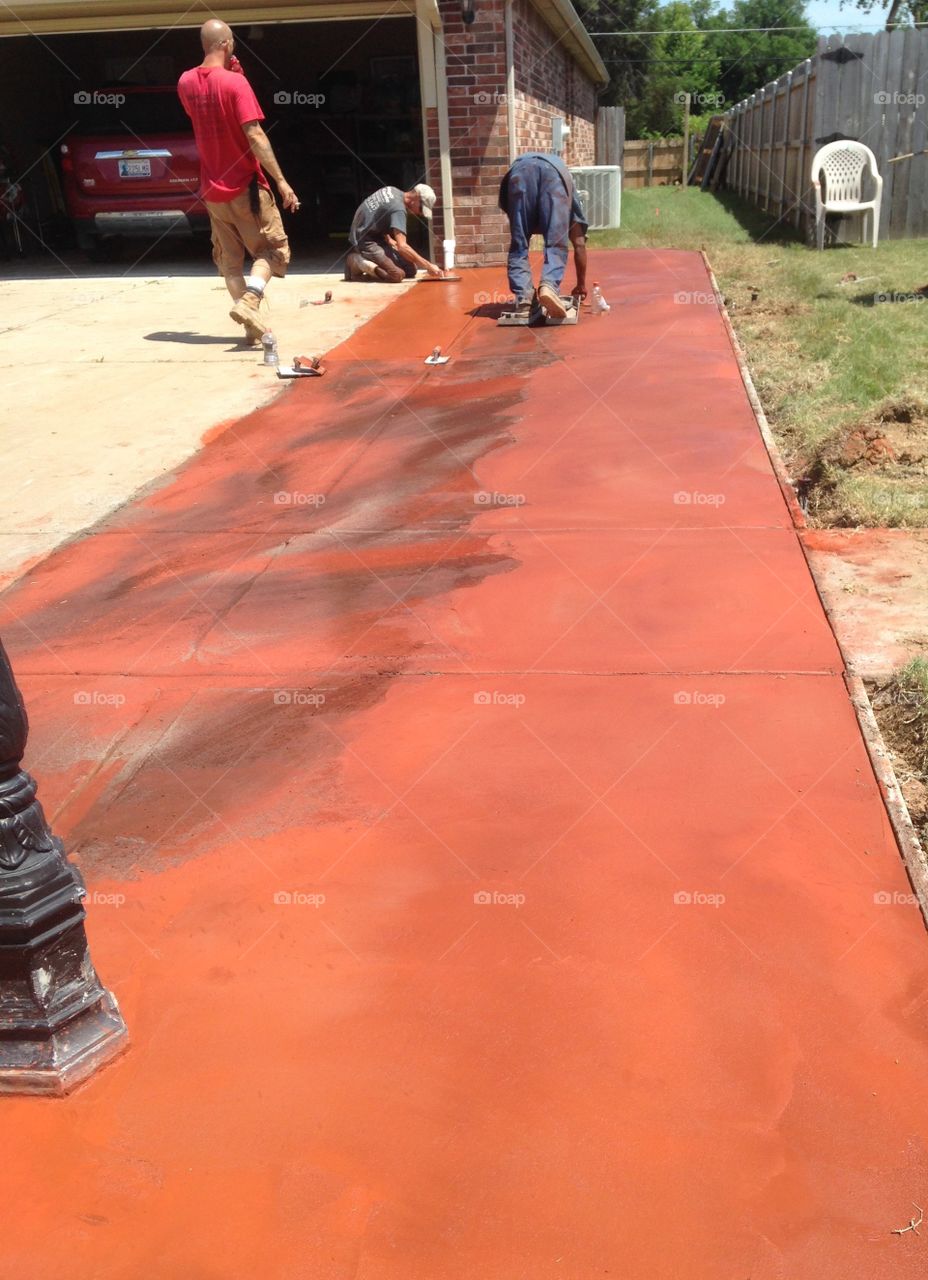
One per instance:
[(842, 166)]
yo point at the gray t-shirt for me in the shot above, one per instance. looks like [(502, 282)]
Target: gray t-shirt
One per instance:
[(380, 213)]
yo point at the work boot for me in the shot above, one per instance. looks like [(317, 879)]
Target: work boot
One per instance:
[(358, 268), (550, 303), (247, 312)]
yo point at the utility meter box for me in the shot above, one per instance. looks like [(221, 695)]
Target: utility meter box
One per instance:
[(560, 132)]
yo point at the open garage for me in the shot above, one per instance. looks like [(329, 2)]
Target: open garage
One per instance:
[(356, 93), (342, 102)]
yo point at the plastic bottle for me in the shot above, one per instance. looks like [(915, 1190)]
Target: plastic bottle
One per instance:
[(598, 304), (269, 343)]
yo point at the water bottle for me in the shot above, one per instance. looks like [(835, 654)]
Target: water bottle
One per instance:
[(269, 343), (598, 304)]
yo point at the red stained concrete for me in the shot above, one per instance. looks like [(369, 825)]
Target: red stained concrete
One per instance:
[(591, 704)]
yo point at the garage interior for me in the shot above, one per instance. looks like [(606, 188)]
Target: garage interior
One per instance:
[(366, 133)]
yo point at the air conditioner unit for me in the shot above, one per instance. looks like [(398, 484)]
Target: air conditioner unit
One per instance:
[(599, 187)]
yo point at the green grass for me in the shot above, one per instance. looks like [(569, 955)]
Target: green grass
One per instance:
[(901, 706), (824, 355), (910, 693)]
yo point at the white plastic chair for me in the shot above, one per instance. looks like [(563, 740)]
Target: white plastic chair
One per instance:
[(842, 165)]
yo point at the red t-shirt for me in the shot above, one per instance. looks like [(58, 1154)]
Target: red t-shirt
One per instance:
[(219, 102)]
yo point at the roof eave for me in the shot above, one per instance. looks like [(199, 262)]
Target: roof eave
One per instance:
[(564, 21)]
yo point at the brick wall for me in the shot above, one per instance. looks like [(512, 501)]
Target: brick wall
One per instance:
[(548, 83)]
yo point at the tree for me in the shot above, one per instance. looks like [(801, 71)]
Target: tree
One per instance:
[(899, 13), (751, 59), (681, 60), (657, 53), (625, 55)]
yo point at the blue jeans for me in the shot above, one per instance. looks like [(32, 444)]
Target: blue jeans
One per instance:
[(537, 204)]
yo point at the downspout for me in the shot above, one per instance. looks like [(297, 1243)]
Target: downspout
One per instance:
[(510, 82), (428, 91), (444, 135)]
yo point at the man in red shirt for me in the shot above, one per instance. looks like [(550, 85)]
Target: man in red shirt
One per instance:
[(234, 155)]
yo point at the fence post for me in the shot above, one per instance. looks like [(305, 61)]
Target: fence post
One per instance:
[(804, 134), (754, 168), (686, 140), (788, 103), (773, 123)]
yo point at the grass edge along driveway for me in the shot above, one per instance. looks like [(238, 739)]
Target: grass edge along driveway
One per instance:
[(836, 343)]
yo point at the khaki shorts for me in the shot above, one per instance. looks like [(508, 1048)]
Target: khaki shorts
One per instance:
[(238, 231)]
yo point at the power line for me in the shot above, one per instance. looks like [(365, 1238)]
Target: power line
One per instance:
[(697, 62), (725, 31), (696, 31)]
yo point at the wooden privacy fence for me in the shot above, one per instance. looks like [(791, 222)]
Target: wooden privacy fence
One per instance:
[(653, 163), (610, 136), (871, 88)]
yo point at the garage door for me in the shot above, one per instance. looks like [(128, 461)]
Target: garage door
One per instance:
[(40, 17), (341, 99)]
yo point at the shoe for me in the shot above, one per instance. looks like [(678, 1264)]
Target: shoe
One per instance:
[(247, 312), (550, 303), (358, 268), (523, 308), (536, 315)]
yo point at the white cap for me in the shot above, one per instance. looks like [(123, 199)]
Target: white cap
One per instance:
[(427, 196)]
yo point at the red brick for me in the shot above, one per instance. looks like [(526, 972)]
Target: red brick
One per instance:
[(548, 82)]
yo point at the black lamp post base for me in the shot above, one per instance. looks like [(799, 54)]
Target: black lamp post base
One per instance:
[(58, 1023), (58, 1063)]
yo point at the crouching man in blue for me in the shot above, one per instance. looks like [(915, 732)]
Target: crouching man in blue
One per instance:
[(537, 195)]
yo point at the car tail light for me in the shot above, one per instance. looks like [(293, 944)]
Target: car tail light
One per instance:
[(67, 162)]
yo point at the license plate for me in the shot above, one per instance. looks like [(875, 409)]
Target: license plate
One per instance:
[(135, 168)]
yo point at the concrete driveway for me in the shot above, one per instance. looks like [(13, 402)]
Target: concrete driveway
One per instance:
[(487, 859), (115, 375)]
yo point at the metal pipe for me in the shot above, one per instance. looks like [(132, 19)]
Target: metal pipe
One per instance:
[(426, 49), (510, 82), (444, 135)]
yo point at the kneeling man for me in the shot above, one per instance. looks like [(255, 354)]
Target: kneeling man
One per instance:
[(378, 248)]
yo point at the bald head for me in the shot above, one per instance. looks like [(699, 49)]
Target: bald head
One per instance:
[(214, 34)]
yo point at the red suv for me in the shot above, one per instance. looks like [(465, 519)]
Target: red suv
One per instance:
[(131, 167)]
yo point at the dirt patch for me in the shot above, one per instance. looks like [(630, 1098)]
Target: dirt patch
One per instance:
[(901, 708), (895, 436), (873, 471), (756, 304)]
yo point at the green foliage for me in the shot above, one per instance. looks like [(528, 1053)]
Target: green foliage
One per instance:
[(681, 60), (903, 13), (625, 56), (749, 60), (651, 72), (908, 690), (699, 122)]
